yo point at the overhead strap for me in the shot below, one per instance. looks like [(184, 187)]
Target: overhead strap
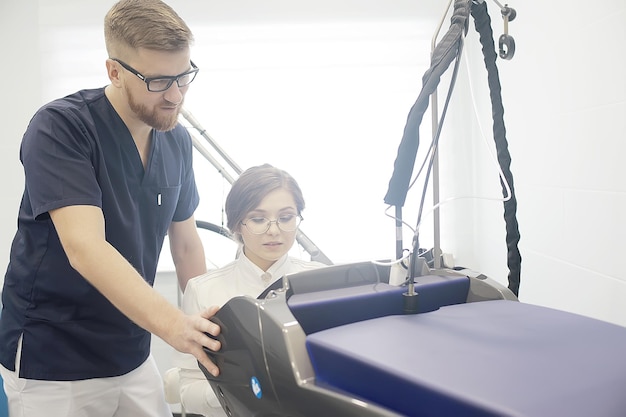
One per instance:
[(482, 23), (444, 53)]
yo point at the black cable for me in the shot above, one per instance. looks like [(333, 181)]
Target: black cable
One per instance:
[(433, 150), (214, 228)]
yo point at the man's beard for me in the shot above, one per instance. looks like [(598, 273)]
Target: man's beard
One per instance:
[(152, 118)]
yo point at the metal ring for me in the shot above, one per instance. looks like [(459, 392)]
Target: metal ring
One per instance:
[(507, 46)]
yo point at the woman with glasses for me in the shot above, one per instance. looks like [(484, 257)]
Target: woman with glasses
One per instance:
[(263, 209)]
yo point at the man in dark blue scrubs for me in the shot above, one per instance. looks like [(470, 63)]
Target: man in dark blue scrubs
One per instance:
[(108, 173)]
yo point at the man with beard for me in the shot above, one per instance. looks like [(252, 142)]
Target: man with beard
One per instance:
[(108, 173)]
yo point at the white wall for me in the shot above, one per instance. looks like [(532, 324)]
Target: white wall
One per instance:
[(20, 87), (323, 89), (565, 100)]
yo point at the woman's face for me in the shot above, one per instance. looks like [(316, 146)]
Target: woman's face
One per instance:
[(266, 248)]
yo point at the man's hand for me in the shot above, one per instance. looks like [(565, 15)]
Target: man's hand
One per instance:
[(189, 337)]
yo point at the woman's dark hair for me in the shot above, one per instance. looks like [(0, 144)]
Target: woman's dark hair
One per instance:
[(250, 189)]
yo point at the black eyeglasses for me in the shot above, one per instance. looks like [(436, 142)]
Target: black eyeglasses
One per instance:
[(285, 222), (162, 83)]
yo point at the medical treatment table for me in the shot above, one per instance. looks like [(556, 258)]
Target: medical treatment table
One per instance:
[(341, 341)]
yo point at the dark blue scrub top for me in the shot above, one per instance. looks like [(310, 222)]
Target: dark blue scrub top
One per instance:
[(77, 151)]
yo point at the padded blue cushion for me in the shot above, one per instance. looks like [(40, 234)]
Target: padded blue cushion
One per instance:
[(490, 358)]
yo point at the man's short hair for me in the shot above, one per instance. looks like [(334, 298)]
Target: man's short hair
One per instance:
[(149, 24)]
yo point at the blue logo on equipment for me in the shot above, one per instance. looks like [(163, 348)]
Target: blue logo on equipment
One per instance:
[(256, 387)]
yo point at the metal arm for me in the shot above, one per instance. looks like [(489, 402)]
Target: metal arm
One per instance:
[(435, 126)]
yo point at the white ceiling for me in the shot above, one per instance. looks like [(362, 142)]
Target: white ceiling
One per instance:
[(80, 12)]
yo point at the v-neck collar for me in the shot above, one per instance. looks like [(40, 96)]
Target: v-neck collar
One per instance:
[(131, 147)]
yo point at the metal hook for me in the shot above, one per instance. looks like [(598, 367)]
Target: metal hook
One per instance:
[(506, 42)]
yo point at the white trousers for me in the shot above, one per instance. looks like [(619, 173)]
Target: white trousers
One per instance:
[(139, 393)]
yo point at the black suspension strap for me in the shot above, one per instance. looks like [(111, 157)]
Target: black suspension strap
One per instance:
[(443, 55), (482, 23)]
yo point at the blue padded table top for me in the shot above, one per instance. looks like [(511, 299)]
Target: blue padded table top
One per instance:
[(490, 358)]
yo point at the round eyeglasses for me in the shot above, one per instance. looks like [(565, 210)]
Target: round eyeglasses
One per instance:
[(164, 82), (260, 225)]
